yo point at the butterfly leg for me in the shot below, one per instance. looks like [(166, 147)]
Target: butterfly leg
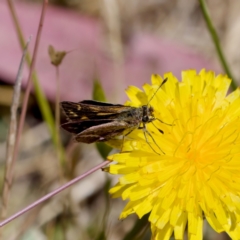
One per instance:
[(145, 132), (160, 130), (162, 121)]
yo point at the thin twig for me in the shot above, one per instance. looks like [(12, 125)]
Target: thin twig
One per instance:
[(216, 42), (49, 195), (17, 25), (11, 139)]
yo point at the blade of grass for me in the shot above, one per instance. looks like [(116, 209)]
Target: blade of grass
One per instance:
[(216, 42), (40, 96)]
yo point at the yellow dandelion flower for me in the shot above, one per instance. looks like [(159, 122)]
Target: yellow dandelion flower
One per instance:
[(199, 175)]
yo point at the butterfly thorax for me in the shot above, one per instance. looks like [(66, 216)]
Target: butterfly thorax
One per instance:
[(147, 114)]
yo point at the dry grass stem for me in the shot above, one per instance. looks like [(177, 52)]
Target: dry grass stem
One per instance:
[(111, 17), (57, 113), (11, 138)]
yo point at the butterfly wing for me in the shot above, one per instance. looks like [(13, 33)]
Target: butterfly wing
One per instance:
[(89, 109), (103, 132), (94, 121), (77, 127)]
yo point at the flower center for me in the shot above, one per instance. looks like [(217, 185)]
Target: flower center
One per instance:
[(194, 155)]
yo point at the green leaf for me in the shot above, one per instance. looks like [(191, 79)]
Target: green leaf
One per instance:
[(98, 92), (99, 95), (102, 235), (103, 149), (139, 229)]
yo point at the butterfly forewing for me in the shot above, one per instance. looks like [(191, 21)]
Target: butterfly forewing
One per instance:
[(88, 109)]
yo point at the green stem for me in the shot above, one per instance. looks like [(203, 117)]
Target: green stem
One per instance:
[(216, 42)]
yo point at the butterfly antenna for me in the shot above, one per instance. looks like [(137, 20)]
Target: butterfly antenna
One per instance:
[(164, 81)]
